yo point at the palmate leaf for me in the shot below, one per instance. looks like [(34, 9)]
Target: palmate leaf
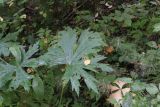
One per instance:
[(70, 50), (15, 74)]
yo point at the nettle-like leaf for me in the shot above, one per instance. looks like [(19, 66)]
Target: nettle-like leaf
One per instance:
[(124, 17), (14, 74), (128, 52), (71, 50)]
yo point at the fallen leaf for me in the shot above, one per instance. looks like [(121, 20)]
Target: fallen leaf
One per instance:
[(117, 92)]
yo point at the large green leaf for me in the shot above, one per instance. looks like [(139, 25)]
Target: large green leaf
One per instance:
[(71, 50), (68, 50)]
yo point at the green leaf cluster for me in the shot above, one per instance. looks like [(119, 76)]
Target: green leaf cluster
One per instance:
[(71, 51)]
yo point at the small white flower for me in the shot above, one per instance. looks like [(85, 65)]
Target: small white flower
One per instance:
[(87, 62), (1, 19)]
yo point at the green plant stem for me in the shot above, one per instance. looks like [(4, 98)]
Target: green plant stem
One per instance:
[(60, 101)]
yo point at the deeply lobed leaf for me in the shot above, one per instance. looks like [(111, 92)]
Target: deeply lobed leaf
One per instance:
[(71, 50)]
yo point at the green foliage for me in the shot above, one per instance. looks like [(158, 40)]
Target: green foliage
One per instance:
[(15, 72), (7, 41), (42, 65), (72, 51), (156, 27), (38, 86)]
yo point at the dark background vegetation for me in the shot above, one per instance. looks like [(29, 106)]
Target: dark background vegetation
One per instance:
[(130, 31)]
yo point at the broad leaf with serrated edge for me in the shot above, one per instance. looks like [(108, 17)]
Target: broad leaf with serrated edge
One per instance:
[(71, 49)]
